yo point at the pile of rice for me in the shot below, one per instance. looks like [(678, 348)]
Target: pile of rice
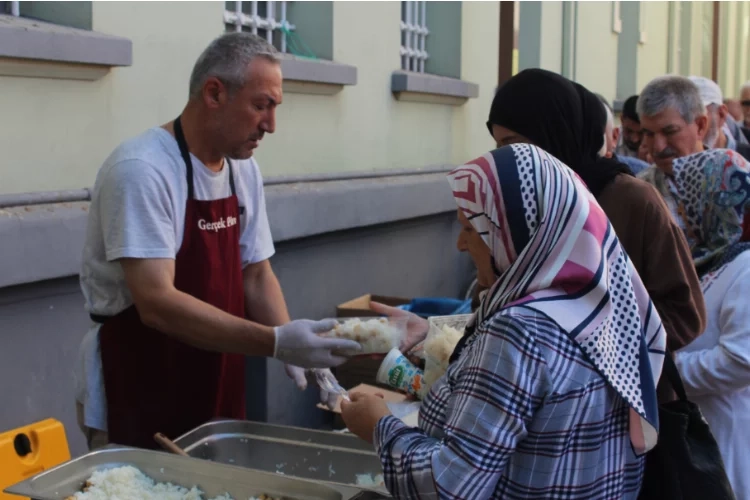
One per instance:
[(438, 348), (129, 483), (376, 336), (368, 481)]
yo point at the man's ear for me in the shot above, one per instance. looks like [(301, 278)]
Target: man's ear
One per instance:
[(616, 135), (701, 122)]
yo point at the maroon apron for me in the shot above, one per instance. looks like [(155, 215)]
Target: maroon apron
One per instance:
[(154, 383)]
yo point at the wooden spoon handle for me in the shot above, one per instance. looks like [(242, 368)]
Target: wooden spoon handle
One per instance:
[(168, 445)]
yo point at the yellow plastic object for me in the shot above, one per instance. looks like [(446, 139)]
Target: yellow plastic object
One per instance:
[(29, 450)]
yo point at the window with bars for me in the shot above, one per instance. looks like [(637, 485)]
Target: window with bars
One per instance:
[(414, 35), (266, 19), (72, 14)]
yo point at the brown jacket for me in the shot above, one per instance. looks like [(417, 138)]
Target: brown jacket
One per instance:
[(660, 254)]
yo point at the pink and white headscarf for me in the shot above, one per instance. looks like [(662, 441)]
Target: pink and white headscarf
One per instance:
[(556, 253)]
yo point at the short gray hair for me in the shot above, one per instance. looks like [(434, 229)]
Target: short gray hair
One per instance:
[(671, 91), (227, 57), (745, 86)]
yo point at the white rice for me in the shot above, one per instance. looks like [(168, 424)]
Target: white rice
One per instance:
[(367, 481), (376, 336), (129, 483)]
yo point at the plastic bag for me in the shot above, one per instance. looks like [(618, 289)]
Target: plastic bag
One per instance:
[(442, 337)]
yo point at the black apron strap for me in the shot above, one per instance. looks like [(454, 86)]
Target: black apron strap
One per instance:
[(185, 152), (231, 177), (182, 143)]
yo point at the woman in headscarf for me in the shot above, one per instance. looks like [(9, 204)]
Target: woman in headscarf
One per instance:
[(568, 121), (712, 190), (550, 393)]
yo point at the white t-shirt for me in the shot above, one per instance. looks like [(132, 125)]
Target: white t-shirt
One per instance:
[(138, 211), (715, 367)]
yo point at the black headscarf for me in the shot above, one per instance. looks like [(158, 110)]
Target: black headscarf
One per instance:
[(561, 117)]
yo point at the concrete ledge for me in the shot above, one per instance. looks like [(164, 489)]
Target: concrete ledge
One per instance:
[(43, 242), (421, 87), (314, 76), (29, 39)]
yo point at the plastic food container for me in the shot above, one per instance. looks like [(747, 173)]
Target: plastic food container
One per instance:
[(398, 372), (441, 340), (375, 335)]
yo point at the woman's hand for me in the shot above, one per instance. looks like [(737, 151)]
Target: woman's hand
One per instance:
[(416, 326), (362, 414)]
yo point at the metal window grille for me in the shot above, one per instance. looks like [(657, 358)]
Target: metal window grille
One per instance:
[(413, 35), (259, 18)]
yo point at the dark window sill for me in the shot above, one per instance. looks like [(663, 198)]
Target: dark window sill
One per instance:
[(422, 87), (314, 76), (34, 48)]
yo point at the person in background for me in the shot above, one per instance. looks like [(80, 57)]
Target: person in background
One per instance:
[(745, 102), (713, 192), (565, 119), (531, 406), (630, 129), (176, 272), (611, 135), (722, 131), (735, 110), (675, 124)]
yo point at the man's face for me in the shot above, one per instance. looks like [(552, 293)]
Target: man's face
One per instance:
[(611, 136), (631, 133), (717, 117), (245, 115), (745, 101), (667, 136)]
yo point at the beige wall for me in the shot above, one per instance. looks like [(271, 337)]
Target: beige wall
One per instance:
[(479, 64), (596, 48), (552, 36), (653, 54), (56, 133)]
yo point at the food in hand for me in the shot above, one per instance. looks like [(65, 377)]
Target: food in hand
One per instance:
[(376, 336)]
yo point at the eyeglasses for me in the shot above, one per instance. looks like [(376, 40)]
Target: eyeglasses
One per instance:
[(745, 102)]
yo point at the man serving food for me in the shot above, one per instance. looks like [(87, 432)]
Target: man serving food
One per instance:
[(175, 270)]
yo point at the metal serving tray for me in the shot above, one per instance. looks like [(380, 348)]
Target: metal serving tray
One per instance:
[(213, 478), (329, 457)]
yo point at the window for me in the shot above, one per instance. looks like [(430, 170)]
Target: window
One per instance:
[(414, 35), (431, 55), (266, 19), (54, 40), (71, 14)]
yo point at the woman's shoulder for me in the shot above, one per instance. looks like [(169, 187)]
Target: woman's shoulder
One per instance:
[(632, 189), (541, 337), (530, 330)]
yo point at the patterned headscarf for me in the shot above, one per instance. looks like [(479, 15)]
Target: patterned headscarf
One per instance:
[(712, 189), (560, 256)]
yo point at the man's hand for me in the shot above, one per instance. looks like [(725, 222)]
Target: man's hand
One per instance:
[(363, 413), (416, 326), (298, 343), (298, 375)]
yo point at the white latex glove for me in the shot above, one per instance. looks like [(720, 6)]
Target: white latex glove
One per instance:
[(299, 375), (298, 344)]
